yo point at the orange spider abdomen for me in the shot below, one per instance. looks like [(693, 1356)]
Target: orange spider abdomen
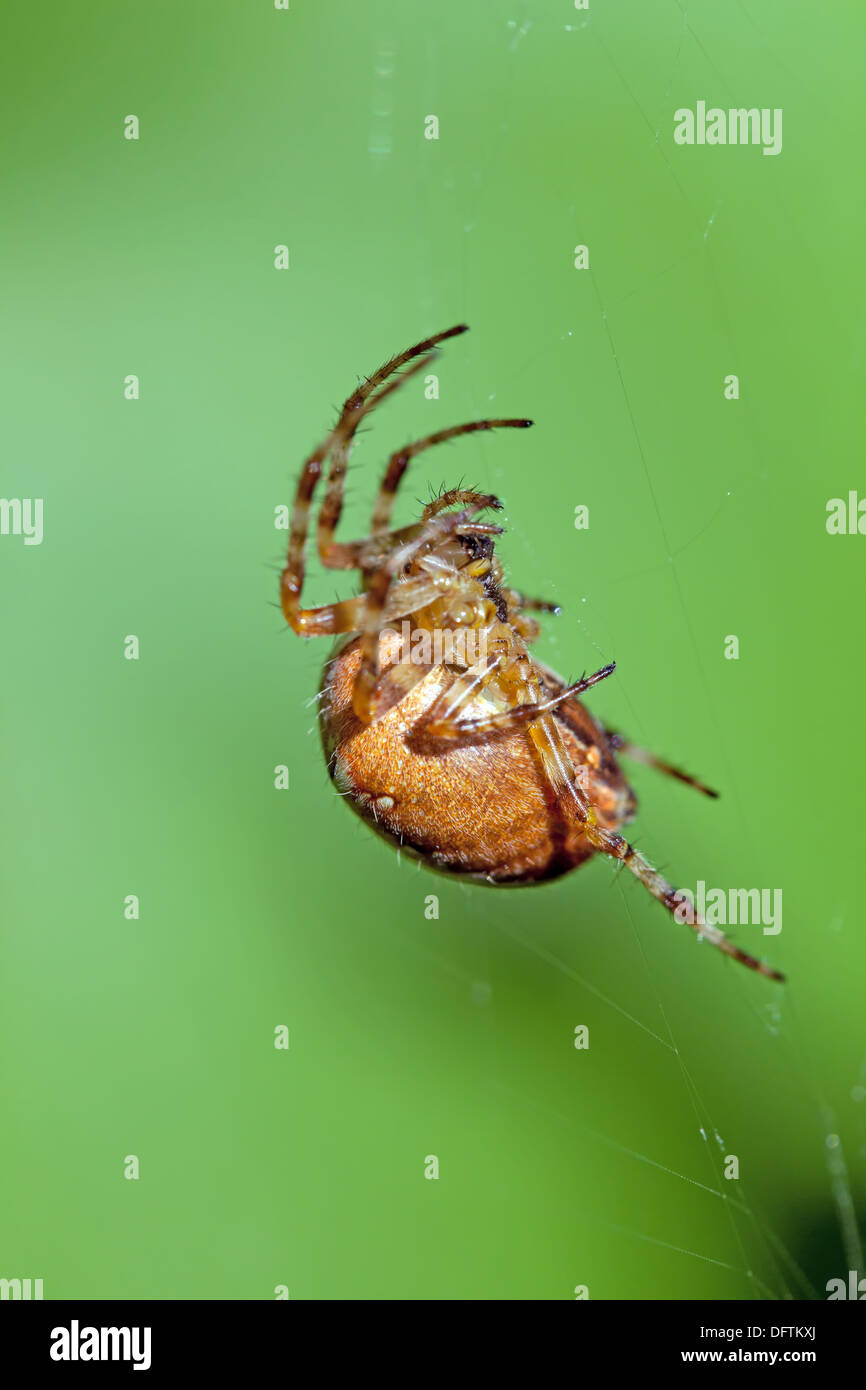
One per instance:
[(480, 810)]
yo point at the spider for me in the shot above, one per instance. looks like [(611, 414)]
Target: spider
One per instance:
[(487, 767)]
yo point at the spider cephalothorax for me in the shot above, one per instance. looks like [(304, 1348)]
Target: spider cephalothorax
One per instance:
[(438, 724)]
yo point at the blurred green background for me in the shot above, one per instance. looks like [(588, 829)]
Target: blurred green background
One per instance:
[(155, 777)]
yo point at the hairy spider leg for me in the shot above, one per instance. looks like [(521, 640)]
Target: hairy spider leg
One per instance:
[(641, 755), (576, 807), (458, 497), (334, 555), (507, 721), (532, 605), (620, 744), (357, 407), (401, 458), (337, 617)]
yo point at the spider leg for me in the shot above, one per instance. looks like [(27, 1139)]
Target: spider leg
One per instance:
[(349, 615), (609, 842), (640, 755), (350, 555), (332, 555), (444, 710), (390, 686), (394, 685), (356, 407), (463, 497), (519, 605), (576, 806), (338, 556), (400, 460), (506, 722), (528, 628), (379, 590), (532, 605), (619, 744), (331, 619), (410, 595)]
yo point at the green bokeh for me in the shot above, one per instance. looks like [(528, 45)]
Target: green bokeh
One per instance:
[(258, 908)]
